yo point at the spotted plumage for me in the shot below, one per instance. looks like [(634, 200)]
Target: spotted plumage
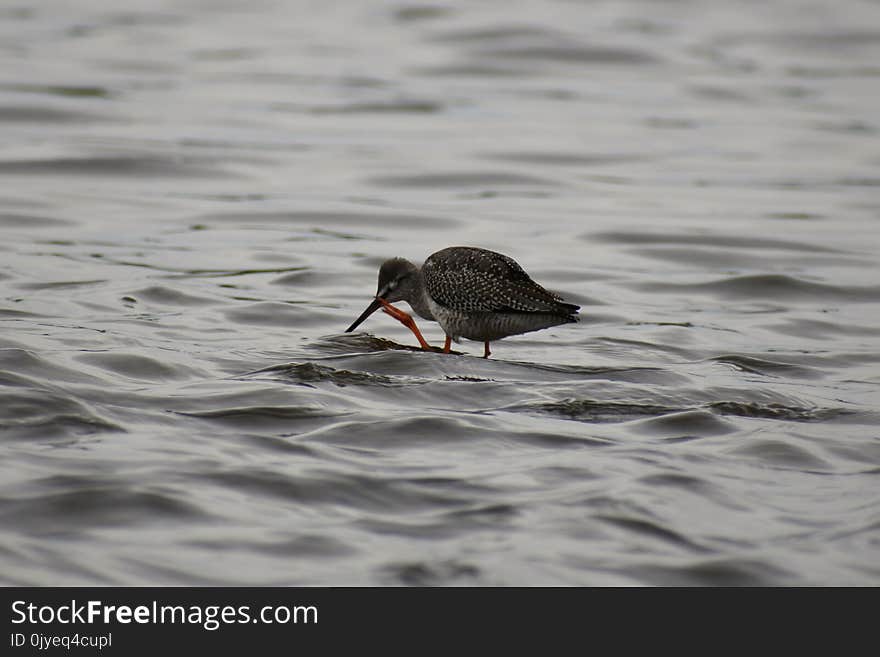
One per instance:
[(472, 293), (469, 279)]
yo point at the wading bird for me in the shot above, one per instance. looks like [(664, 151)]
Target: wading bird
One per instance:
[(472, 293)]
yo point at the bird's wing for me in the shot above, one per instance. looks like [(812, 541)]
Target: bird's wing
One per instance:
[(476, 280)]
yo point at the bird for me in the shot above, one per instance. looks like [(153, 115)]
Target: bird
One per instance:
[(471, 292)]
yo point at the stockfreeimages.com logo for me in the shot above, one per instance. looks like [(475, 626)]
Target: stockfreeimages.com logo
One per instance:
[(211, 617)]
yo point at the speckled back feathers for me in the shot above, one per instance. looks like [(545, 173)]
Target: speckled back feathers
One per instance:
[(469, 279)]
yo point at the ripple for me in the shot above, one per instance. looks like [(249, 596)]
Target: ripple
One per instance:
[(142, 368), (471, 69), (307, 373), (538, 44), (780, 412), (589, 410), (32, 221), (714, 572), (830, 39), (140, 167), (719, 93), (694, 423), (685, 482), (417, 12), (344, 343), (56, 285), (554, 158), (283, 418), (715, 259), (815, 329), (646, 375), (497, 33), (444, 525), (170, 297), (322, 218), (40, 115), (795, 216), (555, 441), (314, 546), (650, 529), (39, 414), (457, 180), (310, 278), (770, 286), (64, 91), (423, 573), (570, 54), (353, 491), (766, 367), (713, 240), (87, 507), (23, 361), (386, 107), (407, 432), (272, 313), (782, 453)]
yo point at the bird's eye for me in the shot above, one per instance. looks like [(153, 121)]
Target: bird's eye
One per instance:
[(392, 285)]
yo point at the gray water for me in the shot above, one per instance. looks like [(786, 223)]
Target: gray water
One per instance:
[(195, 197)]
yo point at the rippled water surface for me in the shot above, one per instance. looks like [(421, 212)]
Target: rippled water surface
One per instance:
[(194, 200)]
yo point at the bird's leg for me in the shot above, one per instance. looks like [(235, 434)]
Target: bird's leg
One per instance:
[(486, 352), (407, 320), (448, 345)]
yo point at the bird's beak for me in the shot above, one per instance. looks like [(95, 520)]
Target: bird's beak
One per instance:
[(373, 307)]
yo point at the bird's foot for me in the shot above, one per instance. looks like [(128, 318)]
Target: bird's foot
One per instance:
[(407, 320)]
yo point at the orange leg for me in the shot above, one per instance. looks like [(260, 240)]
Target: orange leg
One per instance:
[(407, 320), (486, 352), (448, 345)]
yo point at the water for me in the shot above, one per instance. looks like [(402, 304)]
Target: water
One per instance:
[(195, 200)]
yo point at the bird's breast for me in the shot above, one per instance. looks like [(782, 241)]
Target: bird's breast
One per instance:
[(488, 326)]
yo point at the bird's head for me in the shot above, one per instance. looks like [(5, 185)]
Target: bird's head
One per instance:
[(398, 281)]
